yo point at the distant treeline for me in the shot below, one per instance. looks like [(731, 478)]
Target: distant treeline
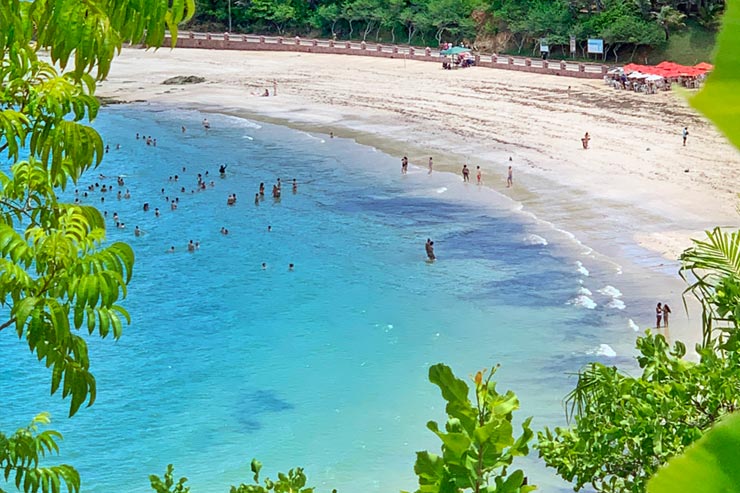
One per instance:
[(516, 25)]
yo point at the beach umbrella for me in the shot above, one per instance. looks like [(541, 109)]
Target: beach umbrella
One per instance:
[(704, 66), (455, 50)]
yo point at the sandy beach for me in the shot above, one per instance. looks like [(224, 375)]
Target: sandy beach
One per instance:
[(636, 192)]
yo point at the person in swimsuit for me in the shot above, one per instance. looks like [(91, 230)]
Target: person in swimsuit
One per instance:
[(685, 134), (256, 199), (206, 124), (658, 315), (295, 186), (510, 178), (262, 189), (429, 247), (430, 166), (666, 312), (466, 173), (584, 141), (222, 170), (479, 175), (404, 165)]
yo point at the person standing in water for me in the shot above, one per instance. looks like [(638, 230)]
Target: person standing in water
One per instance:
[(658, 315), (666, 312), (465, 173), (510, 178), (430, 166), (404, 165), (479, 175), (429, 247)]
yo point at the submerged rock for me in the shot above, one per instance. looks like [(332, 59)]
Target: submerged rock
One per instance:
[(184, 79)]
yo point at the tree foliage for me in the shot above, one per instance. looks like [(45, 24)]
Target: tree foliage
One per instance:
[(621, 24), (478, 443), (59, 281), (292, 482), (622, 428)]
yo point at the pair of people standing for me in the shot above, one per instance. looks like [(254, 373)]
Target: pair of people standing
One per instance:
[(661, 313)]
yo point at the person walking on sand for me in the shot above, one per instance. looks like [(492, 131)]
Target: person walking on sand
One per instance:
[(685, 135), (430, 166), (666, 312), (274, 87), (479, 175), (510, 178), (658, 315), (465, 173), (585, 139)]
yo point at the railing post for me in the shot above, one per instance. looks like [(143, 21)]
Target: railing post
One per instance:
[(428, 51), (348, 45), (545, 64), (226, 36), (379, 48), (581, 67), (563, 65), (331, 43), (477, 60), (527, 62), (604, 69), (494, 58), (298, 41), (363, 46), (191, 35), (511, 60), (395, 50), (244, 38), (208, 36), (280, 40), (412, 51), (262, 39), (315, 42)]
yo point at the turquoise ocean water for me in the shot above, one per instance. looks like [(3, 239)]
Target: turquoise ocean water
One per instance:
[(324, 367)]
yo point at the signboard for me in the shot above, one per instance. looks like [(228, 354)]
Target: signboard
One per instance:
[(596, 46), (572, 44), (544, 48)]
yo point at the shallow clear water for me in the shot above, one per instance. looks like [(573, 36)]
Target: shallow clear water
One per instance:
[(324, 367)]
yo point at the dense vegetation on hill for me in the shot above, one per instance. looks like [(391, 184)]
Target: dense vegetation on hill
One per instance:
[(497, 25)]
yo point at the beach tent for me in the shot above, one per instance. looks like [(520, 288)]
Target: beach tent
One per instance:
[(704, 66), (654, 78), (455, 50)]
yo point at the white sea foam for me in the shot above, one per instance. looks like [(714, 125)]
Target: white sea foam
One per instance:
[(581, 268), (441, 190), (633, 325), (610, 291), (533, 239), (583, 301), (584, 291), (247, 137), (606, 350), (617, 304)]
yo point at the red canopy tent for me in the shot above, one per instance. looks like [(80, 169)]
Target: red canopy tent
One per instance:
[(669, 69)]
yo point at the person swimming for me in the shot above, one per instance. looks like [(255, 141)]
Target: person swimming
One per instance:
[(137, 231), (222, 170), (295, 186), (256, 199), (191, 246)]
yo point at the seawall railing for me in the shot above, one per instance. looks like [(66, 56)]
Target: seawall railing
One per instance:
[(249, 42)]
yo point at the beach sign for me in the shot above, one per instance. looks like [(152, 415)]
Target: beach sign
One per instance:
[(572, 44), (596, 46), (544, 48)]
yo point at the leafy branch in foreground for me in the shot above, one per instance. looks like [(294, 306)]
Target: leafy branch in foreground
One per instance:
[(712, 269), (21, 453), (624, 428), (293, 482), (478, 444)]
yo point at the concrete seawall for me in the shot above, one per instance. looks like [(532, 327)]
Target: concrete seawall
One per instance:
[(246, 42)]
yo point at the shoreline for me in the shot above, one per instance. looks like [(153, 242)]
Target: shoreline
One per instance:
[(637, 229)]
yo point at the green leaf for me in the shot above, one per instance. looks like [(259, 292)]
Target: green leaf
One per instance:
[(719, 100), (710, 465)]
